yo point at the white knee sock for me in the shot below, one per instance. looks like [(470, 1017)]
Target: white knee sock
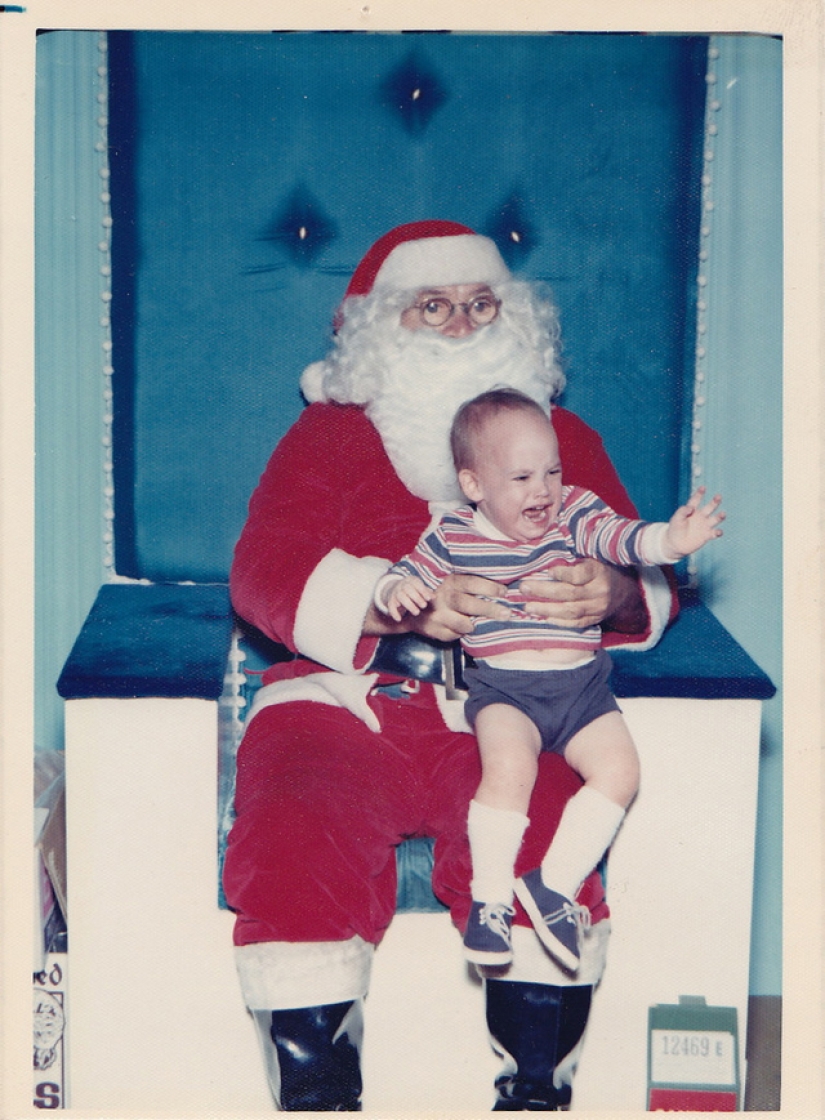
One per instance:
[(586, 829), (495, 838)]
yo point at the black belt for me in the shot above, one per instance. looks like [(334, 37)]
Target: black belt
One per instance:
[(414, 657)]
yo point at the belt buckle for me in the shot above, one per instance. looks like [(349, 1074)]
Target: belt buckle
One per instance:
[(453, 660)]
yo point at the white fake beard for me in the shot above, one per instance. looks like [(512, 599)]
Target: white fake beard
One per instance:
[(424, 385)]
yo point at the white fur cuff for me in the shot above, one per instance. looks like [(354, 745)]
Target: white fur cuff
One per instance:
[(333, 607), (532, 964), (279, 975), (658, 599)]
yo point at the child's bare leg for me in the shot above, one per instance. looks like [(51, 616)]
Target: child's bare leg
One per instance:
[(509, 745), (604, 754)]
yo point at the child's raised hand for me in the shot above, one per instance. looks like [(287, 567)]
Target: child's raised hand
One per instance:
[(694, 524), (409, 595)]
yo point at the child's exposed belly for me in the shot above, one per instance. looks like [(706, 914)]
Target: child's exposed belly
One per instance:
[(550, 658)]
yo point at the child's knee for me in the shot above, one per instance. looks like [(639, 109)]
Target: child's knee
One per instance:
[(629, 781), (623, 771), (611, 767), (509, 769)]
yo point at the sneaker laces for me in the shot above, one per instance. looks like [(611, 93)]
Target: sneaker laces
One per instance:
[(572, 912), (492, 916)]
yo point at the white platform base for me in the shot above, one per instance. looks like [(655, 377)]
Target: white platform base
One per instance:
[(155, 1020)]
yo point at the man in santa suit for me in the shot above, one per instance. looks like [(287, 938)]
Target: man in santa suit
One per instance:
[(359, 741)]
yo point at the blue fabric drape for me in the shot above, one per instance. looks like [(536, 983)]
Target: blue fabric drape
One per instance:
[(739, 437), (69, 356)]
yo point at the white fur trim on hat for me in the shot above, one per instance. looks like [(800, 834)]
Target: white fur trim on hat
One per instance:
[(436, 261)]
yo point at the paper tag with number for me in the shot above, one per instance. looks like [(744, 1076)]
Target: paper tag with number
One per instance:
[(692, 1057)]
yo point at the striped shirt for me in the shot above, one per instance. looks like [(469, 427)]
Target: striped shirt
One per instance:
[(465, 543)]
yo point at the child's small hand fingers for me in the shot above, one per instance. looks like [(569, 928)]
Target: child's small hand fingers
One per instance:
[(695, 499)]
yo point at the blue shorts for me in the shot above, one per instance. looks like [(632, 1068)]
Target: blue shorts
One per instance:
[(560, 702)]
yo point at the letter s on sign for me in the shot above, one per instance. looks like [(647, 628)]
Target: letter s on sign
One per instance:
[(47, 1095)]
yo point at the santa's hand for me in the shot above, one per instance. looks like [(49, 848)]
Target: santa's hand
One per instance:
[(580, 595), (409, 595), (693, 524), (455, 604)]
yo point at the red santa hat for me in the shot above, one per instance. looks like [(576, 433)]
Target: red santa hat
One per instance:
[(428, 253)]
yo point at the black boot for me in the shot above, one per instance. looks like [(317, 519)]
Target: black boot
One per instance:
[(535, 1027), (313, 1056)]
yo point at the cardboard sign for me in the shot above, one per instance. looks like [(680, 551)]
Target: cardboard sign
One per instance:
[(693, 1057)]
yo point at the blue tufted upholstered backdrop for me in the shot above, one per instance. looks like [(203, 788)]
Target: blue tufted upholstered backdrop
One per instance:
[(250, 172)]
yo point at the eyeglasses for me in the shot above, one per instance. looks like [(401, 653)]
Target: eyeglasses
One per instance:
[(439, 310)]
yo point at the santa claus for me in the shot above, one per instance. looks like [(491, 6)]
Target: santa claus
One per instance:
[(359, 741)]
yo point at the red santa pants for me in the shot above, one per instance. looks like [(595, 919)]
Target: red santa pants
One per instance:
[(321, 802)]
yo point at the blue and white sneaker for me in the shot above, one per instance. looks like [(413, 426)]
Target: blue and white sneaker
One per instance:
[(487, 939), (557, 920)]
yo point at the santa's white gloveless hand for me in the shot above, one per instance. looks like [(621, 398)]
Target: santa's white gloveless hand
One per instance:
[(693, 524)]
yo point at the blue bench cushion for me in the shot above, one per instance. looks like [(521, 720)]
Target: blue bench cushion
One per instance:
[(139, 640), (696, 657)]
